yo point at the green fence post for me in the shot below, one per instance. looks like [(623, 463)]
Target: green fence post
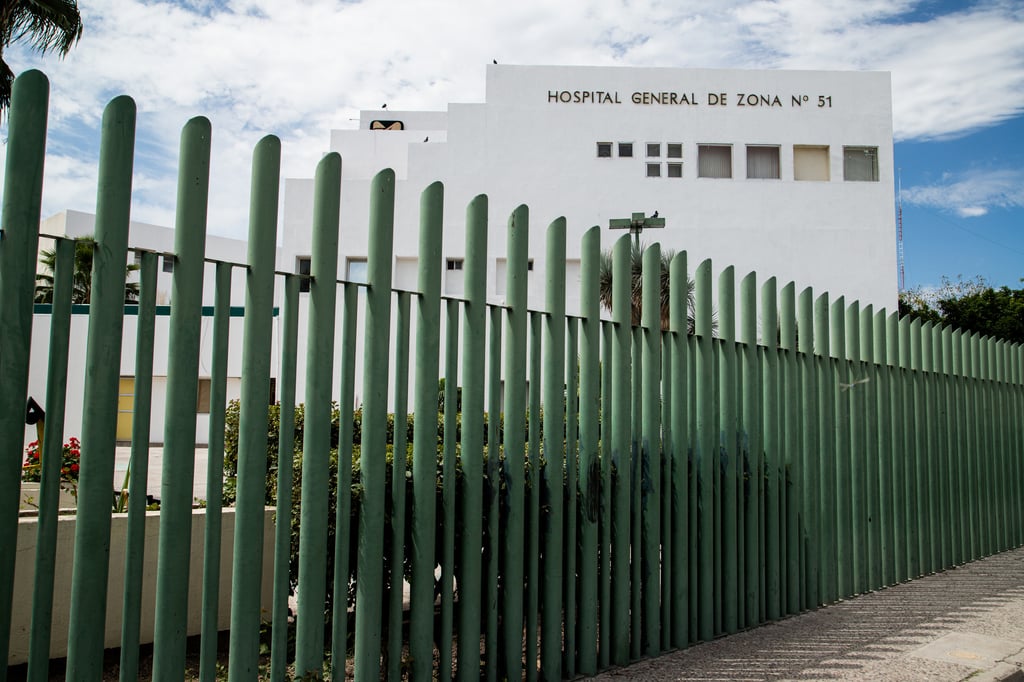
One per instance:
[(752, 481), (369, 587), (770, 398), (809, 454), (553, 474), (533, 450), (791, 445), (706, 459), (138, 468), (473, 365), (884, 464), (285, 483), (845, 578), (316, 439), (872, 513), (649, 471), (679, 484), (619, 451), (448, 489), (590, 460), (492, 549), (424, 453), (727, 444), (99, 418), (19, 231), (607, 330), (247, 565), (858, 449), (52, 445), (570, 576), (400, 435), (828, 590)]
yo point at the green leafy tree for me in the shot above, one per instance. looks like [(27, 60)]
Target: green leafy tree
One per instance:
[(81, 288), (636, 286), (971, 305), (47, 25)]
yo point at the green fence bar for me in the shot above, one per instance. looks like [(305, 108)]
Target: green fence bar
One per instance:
[(790, 443), (99, 414), (515, 445), (52, 456), (752, 478), (856, 404), (19, 231), (215, 471), (473, 407), (533, 452), (605, 528), (590, 459), (679, 485), (448, 487), (826, 482), (774, 480), (252, 431), (809, 455), (727, 402), (843, 484), (424, 453), (619, 451), (872, 512), (649, 471), (492, 497), (884, 489), (138, 469), (343, 515), (375, 395), (570, 588), (705, 458), (554, 435), (316, 440), (285, 455)]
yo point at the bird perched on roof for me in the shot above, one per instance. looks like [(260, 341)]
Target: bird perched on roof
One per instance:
[(426, 139), (495, 61), (384, 106), (655, 215)]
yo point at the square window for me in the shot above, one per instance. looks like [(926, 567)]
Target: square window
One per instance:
[(762, 162), (604, 150), (714, 161), (810, 162), (675, 150), (529, 265), (302, 267), (860, 164), (355, 269), (625, 149), (454, 263), (675, 170), (168, 263), (654, 170), (653, 149)]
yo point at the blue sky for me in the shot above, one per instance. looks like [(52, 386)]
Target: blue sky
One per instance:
[(300, 69)]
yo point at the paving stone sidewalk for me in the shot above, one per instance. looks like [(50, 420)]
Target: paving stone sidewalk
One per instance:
[(965, 623)]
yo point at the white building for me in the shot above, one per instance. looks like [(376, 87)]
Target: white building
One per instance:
[(787, 173)]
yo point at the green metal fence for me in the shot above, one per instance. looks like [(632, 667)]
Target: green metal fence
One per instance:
[(675, 486)]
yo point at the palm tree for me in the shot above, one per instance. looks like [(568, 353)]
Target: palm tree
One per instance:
[(48, 26), (81, 288), (636, 286)]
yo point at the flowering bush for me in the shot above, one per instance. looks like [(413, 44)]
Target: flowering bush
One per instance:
[(31, 470)]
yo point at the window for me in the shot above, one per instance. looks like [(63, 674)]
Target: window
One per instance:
[(654, 170), (675, 170), (860, 164), (529, 265), (302, 266), (625, 149), (137, 257), (674, 150), (454, 263), (355, 270), (203, 397), (387, 125), (810, 162), (762, 162), (714, 161), (653, 149), (604, 150), (273, 390), (168, 263)]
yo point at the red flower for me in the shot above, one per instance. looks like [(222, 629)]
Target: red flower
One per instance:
[(74, 467)]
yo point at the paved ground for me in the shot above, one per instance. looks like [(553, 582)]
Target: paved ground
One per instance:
[(156, 463), (966, 623)]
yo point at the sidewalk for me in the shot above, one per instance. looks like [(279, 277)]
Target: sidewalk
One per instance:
[(965, 623), (156, 463)]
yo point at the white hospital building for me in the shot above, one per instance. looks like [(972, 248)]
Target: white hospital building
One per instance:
[(786, 173)]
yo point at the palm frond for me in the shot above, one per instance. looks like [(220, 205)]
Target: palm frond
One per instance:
[(47, 25)]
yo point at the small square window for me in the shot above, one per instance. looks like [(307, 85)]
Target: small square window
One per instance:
[(675, 170), (625, 149), (762, 162), (860, 164), (356, 270), (653, 149), (654, 170), (529, 265), (302, 267), (604, 150), (454, 263), (203, 397), (810, 162), (137, 257), (168, 264), (675, 150)]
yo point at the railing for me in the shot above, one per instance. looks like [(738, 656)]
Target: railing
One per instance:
[(678, 486)]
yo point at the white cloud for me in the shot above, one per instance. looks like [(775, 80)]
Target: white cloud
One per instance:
[(971, 194), (299, 69)]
